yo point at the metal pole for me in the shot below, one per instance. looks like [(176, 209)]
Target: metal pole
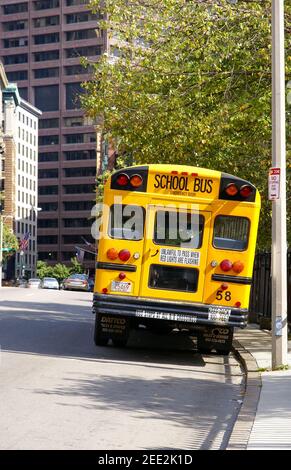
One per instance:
[(1, 247), (279, 238)]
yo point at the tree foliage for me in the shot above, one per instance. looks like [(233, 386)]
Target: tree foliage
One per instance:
[(9, 241), (190, 83)]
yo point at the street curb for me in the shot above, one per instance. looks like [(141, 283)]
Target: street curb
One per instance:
[(241, 432)]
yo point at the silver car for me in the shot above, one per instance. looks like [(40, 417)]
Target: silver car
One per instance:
[(33, 283), (49, 283)]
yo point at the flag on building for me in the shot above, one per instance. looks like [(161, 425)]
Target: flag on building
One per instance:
[(23, 244), (80, 255)]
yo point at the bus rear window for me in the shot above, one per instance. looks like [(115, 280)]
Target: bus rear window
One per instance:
[(173, 278), (231, 233), (182, 229), (126, 222)]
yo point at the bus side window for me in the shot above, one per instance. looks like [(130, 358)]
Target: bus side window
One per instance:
[(231, 233)]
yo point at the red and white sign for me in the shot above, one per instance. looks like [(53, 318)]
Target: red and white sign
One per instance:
[(274, 184)]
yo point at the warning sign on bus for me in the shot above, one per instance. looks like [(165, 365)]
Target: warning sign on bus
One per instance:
[(169, 255)]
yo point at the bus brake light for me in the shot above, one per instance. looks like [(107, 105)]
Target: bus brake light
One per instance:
[(226, 265), (124, 255), (231, 189), (245, 191), (122, 180)]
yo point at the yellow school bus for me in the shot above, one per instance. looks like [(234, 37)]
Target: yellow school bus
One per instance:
[(176, 250)]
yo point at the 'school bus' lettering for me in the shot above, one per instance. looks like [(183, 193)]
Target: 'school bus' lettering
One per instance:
[(182, 183)]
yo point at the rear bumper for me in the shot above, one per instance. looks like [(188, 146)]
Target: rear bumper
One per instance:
[(176, 312)]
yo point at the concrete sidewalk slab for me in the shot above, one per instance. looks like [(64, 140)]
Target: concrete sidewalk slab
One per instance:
[(267, 420)]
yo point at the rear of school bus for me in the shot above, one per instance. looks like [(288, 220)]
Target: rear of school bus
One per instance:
[(176, 251)]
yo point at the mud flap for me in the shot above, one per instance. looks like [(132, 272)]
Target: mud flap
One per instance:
[(114, 327), (215, 337)]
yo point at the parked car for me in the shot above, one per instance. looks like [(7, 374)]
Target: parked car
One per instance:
[(21, 283), (76, 282), (33, 282), (49, 283)]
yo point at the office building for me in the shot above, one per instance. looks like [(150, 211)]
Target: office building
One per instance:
[(41, 44)]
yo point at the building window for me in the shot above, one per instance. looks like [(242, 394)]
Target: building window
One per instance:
[(77, 69), (15, 8), (49, 206), (47, 223), (46, 73), (76, 223), (46, 4), (48, 140), (47, 97), (48, 190), (46, 21), (74, 139), (81, 34), (47, 255), (73, 91), (49, 123), (78, 205), (80, 155), (79, 188), (47, 239), (87, 51), (23, 93), (70, 3), (17, 76), (48, 173), (16, 59), (15, 25), (74, 121), (48, 157), (46, 38), (80, 17), (15, 42), (79, 172), (46, 55)]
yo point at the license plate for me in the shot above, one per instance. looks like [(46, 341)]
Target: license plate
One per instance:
[(219, 314), (117, 286)]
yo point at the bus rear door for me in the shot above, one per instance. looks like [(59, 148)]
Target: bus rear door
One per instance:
[(175, 254)]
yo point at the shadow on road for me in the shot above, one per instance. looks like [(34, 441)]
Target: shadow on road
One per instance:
[(57, 329)]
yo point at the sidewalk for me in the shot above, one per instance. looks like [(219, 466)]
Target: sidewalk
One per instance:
[(265, 418)]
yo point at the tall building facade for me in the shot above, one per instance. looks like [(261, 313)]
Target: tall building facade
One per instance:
[(20, 179), (41, 45)]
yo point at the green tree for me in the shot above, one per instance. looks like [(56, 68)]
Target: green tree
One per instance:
[(43, 270), (9, 241), (60, 271), (76, 267), (191, 84)]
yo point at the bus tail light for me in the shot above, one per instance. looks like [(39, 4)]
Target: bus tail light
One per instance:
[(124, 255), (104, 290), (122, 180), (226, 265), (245, 191), (122, 276), (238, 266), (231, 189), (224, 286), (237, 304), (136, 181), (112, 253)]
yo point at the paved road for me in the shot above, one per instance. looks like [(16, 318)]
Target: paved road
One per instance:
[(58, 391)]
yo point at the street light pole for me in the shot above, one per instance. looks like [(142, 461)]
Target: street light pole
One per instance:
[(279, 237)]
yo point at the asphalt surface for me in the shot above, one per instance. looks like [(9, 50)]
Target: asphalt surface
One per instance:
[(59, 391)]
